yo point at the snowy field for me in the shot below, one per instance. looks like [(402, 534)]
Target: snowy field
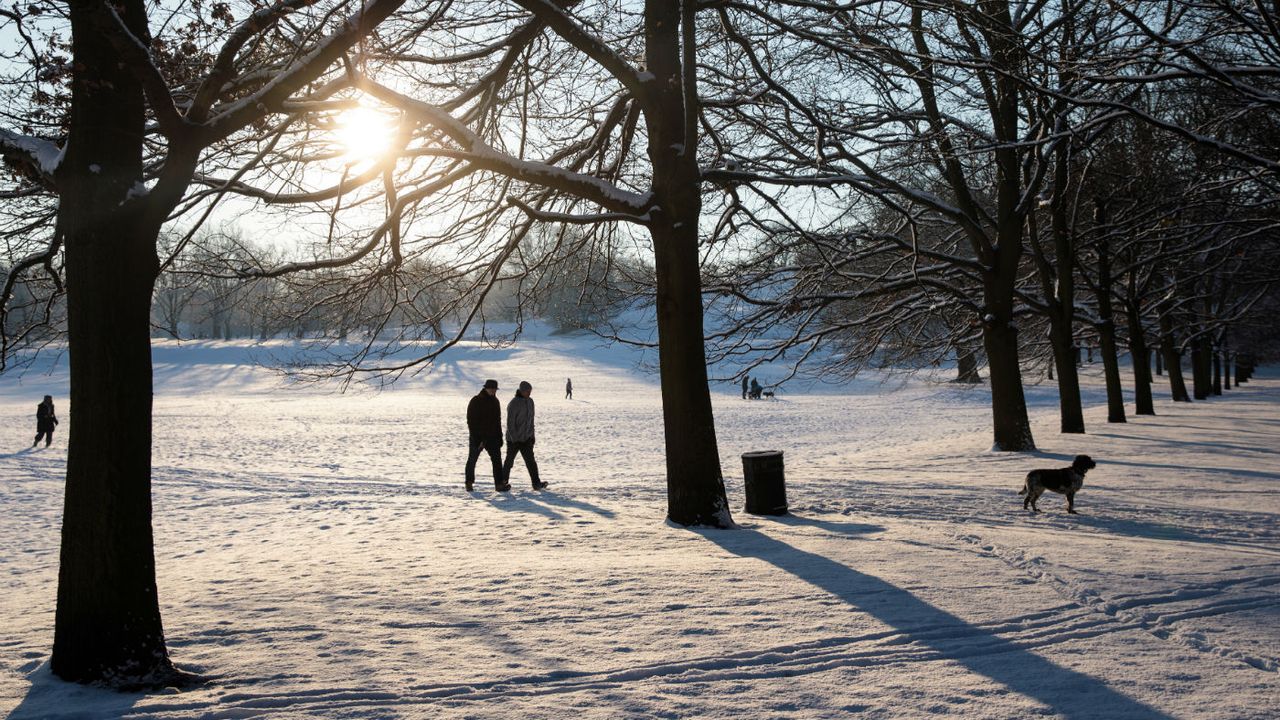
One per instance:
[(318, 557)]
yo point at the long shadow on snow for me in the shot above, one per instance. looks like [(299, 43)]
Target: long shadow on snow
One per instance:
[(518, 503), (50, 698), (1069, 693), (550, 497)]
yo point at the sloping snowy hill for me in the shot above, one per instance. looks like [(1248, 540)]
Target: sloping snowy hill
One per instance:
[(318, 556)]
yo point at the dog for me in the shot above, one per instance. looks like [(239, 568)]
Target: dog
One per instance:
[(768, 393), (1064, 481)]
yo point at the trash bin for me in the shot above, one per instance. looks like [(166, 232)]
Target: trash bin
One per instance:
[(765, 485)]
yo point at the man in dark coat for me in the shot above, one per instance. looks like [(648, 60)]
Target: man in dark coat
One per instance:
[(484, 425), (46, 420), (520, 434), (744, 386)]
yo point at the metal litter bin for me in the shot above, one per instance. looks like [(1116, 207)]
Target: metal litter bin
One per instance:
[(764, 482)]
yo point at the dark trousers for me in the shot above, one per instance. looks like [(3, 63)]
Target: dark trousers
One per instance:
[(526, 451), (491, 445), (46, 434)]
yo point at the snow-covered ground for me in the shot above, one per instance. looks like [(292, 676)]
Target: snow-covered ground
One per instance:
[(318, 557)]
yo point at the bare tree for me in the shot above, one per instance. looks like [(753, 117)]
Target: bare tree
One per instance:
[(138, 121)]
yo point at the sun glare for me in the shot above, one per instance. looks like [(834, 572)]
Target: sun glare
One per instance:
[(365, 134)]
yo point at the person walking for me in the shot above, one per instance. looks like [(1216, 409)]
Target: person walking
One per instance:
[(520, 434), (46, 420), (568, 388), (484, 426), (744, 386)]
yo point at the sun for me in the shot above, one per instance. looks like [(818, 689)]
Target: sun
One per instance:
[(365, 134)]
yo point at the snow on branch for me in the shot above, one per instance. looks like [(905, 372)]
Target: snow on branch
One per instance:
[(593, 47), (223, 69), (305, 69), (33, 156)]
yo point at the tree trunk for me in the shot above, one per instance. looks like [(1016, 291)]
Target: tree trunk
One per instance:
[(1107, 331), (1159, 364), (1070, 413), (1111, 370), (107, 624), (1200, 369), (1141, 356), (967, 367), (1012, 429), (1172, 361), (695, 486), (1217, 373)]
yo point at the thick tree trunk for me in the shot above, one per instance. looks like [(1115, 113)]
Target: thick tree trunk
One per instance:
[(1200, 369), (107, 624), (695, 487), (967, 367), (1217, 373), (1111, 371), (1172, 361), (1070, 413), (1141, 356), (1012, 429)]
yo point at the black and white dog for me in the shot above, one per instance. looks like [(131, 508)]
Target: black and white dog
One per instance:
[(1065, 481)]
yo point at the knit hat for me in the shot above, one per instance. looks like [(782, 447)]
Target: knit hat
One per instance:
[(524, 385), (491, 384)]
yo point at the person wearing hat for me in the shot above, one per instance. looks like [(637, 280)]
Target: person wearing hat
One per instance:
[(520, 434), (484, 425)]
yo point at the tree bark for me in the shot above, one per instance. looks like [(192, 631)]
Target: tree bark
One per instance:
[(107, 622), (1141, 356), (695, 486), (1071, 415), (1172, 361), (1217, 373), (1159, 364), (1106, 330), (1011, 428), (1200, 369), (1111, 371), (967, 367)]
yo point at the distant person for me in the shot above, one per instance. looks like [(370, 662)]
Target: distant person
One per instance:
[(520, 435), (46, 421), (744, 386), (568, 388), (756, 388), (484, 425)]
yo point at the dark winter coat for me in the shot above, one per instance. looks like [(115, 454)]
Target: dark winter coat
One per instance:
[(484, 417), (45, 418), (520, 419)]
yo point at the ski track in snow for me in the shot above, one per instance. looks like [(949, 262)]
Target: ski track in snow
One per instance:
[(318, 558)]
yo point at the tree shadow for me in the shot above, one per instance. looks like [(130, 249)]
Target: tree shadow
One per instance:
[(1207, 469), (1214, 444), (51, 698), (1069, 693)]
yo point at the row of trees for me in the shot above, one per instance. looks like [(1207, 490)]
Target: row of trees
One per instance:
[(868, 176)]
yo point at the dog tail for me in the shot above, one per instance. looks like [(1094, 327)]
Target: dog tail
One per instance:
[(1026, 485)]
